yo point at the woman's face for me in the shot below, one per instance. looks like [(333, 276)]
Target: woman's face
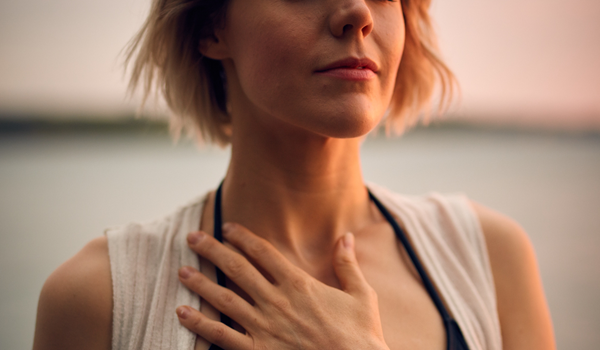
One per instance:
[(325, 66)]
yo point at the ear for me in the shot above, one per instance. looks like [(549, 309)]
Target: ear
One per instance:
[(214, 47)]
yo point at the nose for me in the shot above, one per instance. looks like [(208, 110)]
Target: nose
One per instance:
[(351, 17)]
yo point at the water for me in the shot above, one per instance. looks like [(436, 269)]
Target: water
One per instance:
[(59, 191)]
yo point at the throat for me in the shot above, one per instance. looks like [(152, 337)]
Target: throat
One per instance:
[(301, 195), (305, 226)]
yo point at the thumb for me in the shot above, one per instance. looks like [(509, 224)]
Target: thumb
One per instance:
[(346, 266)]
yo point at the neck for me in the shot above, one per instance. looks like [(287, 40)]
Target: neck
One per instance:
[(300, 191)]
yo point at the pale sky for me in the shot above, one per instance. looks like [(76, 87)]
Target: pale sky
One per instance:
[(522, 61)]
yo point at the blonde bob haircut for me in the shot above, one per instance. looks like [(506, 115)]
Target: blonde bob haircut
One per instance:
[(166, 59)]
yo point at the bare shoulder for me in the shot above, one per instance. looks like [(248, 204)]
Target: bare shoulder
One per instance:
[(524, 316), (75, 306)]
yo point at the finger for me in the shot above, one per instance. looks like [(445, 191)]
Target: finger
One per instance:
[(213, 331), (346, 266), (260, 251), (233, 264), (223, 299)]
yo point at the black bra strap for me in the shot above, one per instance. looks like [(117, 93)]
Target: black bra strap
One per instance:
[(455, 339), (218, 234), (413, 257)]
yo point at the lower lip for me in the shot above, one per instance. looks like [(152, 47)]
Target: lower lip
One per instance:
[(349, 74)]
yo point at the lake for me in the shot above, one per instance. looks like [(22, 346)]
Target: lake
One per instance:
[(59, 190)]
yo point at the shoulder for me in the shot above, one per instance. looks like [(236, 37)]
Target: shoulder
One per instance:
[(511, 253), (508, 245), (75, 306), (522, 309)]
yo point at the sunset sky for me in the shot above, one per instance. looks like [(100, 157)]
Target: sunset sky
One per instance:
[(520, 61)]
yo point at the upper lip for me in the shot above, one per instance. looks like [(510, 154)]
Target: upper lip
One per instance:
[(352, 62)]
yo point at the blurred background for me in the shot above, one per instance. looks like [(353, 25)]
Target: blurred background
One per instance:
[(524, 139)]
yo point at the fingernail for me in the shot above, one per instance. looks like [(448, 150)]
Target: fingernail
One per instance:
[(183, 312), (194, 237), (185, 272), (227, 227), (348, 239)]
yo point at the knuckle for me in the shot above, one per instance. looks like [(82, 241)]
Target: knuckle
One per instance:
[(196, 282), (235, 266), (257, 248), (300, 283), (217, 334), (345, 259), (206, 245), (197, 324), (282, 304), (225, 299)]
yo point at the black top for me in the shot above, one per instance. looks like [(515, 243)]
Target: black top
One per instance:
[(454, 336)]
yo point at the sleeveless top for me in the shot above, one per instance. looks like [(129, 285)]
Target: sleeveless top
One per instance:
[(443, 230)]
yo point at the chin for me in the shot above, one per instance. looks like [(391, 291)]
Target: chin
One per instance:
[(353, 120), (348, 118), (347, 125)]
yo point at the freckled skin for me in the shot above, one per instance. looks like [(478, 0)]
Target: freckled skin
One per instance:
[(275, 47)]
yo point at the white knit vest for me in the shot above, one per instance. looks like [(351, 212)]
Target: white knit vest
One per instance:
[(443, 229)]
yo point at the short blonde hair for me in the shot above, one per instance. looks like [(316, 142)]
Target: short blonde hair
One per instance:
[(168, 61)]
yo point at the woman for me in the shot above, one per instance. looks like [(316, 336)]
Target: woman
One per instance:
[(294, 86)]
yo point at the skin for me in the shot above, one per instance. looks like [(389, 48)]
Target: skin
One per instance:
[(296, 138)]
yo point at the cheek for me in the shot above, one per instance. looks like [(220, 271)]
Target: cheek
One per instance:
[(268, 57)]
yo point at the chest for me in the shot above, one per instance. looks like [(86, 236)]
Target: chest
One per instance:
[(409, 317)]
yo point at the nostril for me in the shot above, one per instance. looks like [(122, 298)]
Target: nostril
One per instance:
[(367, 29), (347, 27)]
